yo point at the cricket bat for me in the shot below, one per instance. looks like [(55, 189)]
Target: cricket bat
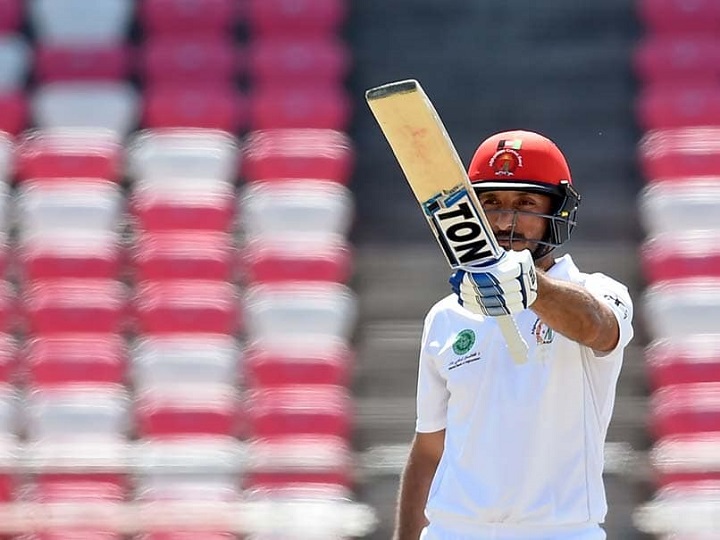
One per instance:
[(438, 179)]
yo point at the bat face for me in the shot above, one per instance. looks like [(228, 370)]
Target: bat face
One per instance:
[(434, 172)]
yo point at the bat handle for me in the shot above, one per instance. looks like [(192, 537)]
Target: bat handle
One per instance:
[(515, 342)]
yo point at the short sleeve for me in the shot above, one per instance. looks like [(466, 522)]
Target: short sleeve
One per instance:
[(616, 296), (432, 393)]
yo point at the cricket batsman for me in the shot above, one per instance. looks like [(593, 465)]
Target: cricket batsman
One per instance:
[(505, 450)]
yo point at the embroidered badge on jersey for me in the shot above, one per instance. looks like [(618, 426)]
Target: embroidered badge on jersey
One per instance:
[(464, 342), (543, 333)]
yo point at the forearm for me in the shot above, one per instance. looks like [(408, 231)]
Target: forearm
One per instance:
[(572, 311), (414, 487)]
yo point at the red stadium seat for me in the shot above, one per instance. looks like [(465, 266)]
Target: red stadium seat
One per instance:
[(678, 154), (15, 112), (81, 62), (688, 58), (187, 306), (300, 17), (80, 486), (266, 366), (69, 153), (320, 107), (75, 358), (91, 256), (205, 106), (296, 259), (11, 14), (179, 60), (664, 107), (185, 255), (687, 254), (299, 410), (8, 358), (75, 305), (61, 533), (194, 410), (157, 208), (10, 317), (188, 17), (279, 154), (685, 408), (188, 535), (680, 16), (694, 359), (286, 60)]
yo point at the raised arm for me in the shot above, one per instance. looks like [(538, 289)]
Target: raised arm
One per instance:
[(425, 454), (575, 313)]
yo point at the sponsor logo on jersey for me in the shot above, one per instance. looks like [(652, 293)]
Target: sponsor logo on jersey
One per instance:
[(464, 341), (619, 305), (543, 333)]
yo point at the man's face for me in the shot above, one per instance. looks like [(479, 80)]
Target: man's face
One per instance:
[(512, 215)]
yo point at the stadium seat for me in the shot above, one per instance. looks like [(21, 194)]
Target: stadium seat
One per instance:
[(188, 17), (679, 16), (300, 311), (313, 410), (16, 112), (287, 59), (677, 155), (5, 220), (75, 306), (273, 364), (77, 415), (80, 256), (81, 62), (7, 157), (169, 155), (180, 60), (303, 106), (186, 306), (683, 409), (311, 207), (10, 313), (83, 486), (300, 17), (61, 533), (298, 460), (11, 14), (678, 207), (204, 106), (10, 420), (693, 358), (184, 410), (185, 207), (15, 60), (186, 535), (678, 106), (681, 255), (8, 360), (184, 255), (66, 21), (296, 258), (67, 206), (279, 154), (687, 458), (692, 59), (677, 308), (163, 361), (75, 358), (69, 153), (95, 104)]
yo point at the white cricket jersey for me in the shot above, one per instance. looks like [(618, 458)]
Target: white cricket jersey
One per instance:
[(523, 443)]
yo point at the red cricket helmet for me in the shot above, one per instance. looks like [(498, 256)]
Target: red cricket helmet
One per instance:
[(528, 161)]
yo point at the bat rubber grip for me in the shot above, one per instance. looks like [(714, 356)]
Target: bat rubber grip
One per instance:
[(515, 342)]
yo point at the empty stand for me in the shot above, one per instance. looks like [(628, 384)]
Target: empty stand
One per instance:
[(685, 409), (678, 106), (198, 105), (685, 254), (188, 18), (79, 62), (679, 16), (301, 17), (667, 59), (295, 107), (15, 59), (693, 358), (66, 21), (676, 207)]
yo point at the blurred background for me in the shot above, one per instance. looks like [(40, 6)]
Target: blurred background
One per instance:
[(214, 275)]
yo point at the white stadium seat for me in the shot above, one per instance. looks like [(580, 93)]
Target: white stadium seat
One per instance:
[(183, 154), (672, 207), (681, 307), (80, 21), (109, 105), (297, 206)]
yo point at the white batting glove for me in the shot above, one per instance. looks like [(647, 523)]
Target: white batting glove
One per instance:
[(503, 288)]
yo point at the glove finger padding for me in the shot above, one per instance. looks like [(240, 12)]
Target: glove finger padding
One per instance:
[(506, 287)]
